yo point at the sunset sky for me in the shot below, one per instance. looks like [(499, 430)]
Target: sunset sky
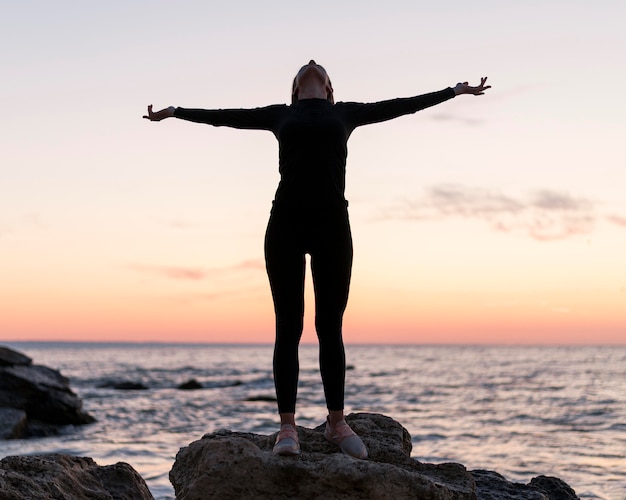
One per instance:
[(492, 219)]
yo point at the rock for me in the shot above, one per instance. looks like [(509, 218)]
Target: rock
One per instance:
[(41, 392), (123, 386), (9, 357), (261, 398), (229, 464), (48, 477), (13, 423), (493, 486), (554, 487), (130, 386), (191, 384), (240, 465)]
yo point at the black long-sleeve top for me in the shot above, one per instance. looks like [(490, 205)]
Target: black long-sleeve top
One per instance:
[(312, 136)]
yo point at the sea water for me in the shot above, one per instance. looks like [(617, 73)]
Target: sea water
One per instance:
[(521, 411)]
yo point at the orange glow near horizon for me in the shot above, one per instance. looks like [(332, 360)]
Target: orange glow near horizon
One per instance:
[(419, 318)]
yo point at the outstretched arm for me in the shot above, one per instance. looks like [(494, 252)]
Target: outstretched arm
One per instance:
[(264, 118), (465, 88), (159, 115), (363, 114)]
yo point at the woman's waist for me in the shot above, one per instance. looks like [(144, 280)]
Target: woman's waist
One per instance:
[(299, 204)]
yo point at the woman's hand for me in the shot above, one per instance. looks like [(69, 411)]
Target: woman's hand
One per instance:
[(159, 115), (465, 88)]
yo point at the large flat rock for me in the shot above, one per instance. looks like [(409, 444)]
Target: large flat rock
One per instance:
[(229, 464)]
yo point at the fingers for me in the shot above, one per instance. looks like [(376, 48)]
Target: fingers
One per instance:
[(480, 89), (149, 115), (466, 88)]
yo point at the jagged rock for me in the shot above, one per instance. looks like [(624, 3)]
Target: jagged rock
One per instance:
[(190, 385), (65, 477), (229, 464), (41, 392), (556, 488), (493, 486)]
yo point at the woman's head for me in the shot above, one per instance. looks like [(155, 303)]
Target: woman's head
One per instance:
[(309, 75)]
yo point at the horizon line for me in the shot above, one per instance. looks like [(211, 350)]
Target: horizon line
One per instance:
[(271, 344)]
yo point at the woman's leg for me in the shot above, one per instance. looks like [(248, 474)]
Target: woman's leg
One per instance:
[(331, 266), (286, 268)]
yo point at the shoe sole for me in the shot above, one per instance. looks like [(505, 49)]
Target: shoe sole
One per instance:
[(286, 452)]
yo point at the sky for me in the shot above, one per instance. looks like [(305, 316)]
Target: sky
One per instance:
[(492, 219)]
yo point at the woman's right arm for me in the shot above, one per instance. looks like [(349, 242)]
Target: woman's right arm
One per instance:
[(264, 118)]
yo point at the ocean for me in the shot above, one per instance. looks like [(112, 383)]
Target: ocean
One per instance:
[(521, 411)]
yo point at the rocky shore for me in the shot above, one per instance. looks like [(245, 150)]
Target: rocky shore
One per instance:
[(65, 477), (36, 400)]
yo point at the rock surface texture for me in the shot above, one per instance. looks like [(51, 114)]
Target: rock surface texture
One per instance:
[(64, 477), (35, 400), (238, 465)]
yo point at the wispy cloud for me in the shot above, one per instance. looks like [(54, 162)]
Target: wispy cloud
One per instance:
[(177, 223), (447, 117), (560, 309), (195, 273), (472, 121), (26, 221), (172, 272), (616, 219), (246, 292), (544, 215)]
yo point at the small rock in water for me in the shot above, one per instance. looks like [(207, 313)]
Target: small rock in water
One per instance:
[(190, 385), (123, 386), (262, 398), (130, 386)]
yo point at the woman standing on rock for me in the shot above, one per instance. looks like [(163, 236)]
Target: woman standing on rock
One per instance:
[(309, 215)]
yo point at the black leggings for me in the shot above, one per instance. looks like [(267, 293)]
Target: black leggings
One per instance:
[(325, 235)]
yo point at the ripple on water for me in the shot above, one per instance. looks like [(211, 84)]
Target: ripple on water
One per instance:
[(520, 411)]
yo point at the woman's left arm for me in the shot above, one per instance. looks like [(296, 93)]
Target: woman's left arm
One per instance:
[(364, 114)]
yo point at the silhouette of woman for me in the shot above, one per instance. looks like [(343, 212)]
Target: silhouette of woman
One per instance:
[(309, 215)]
